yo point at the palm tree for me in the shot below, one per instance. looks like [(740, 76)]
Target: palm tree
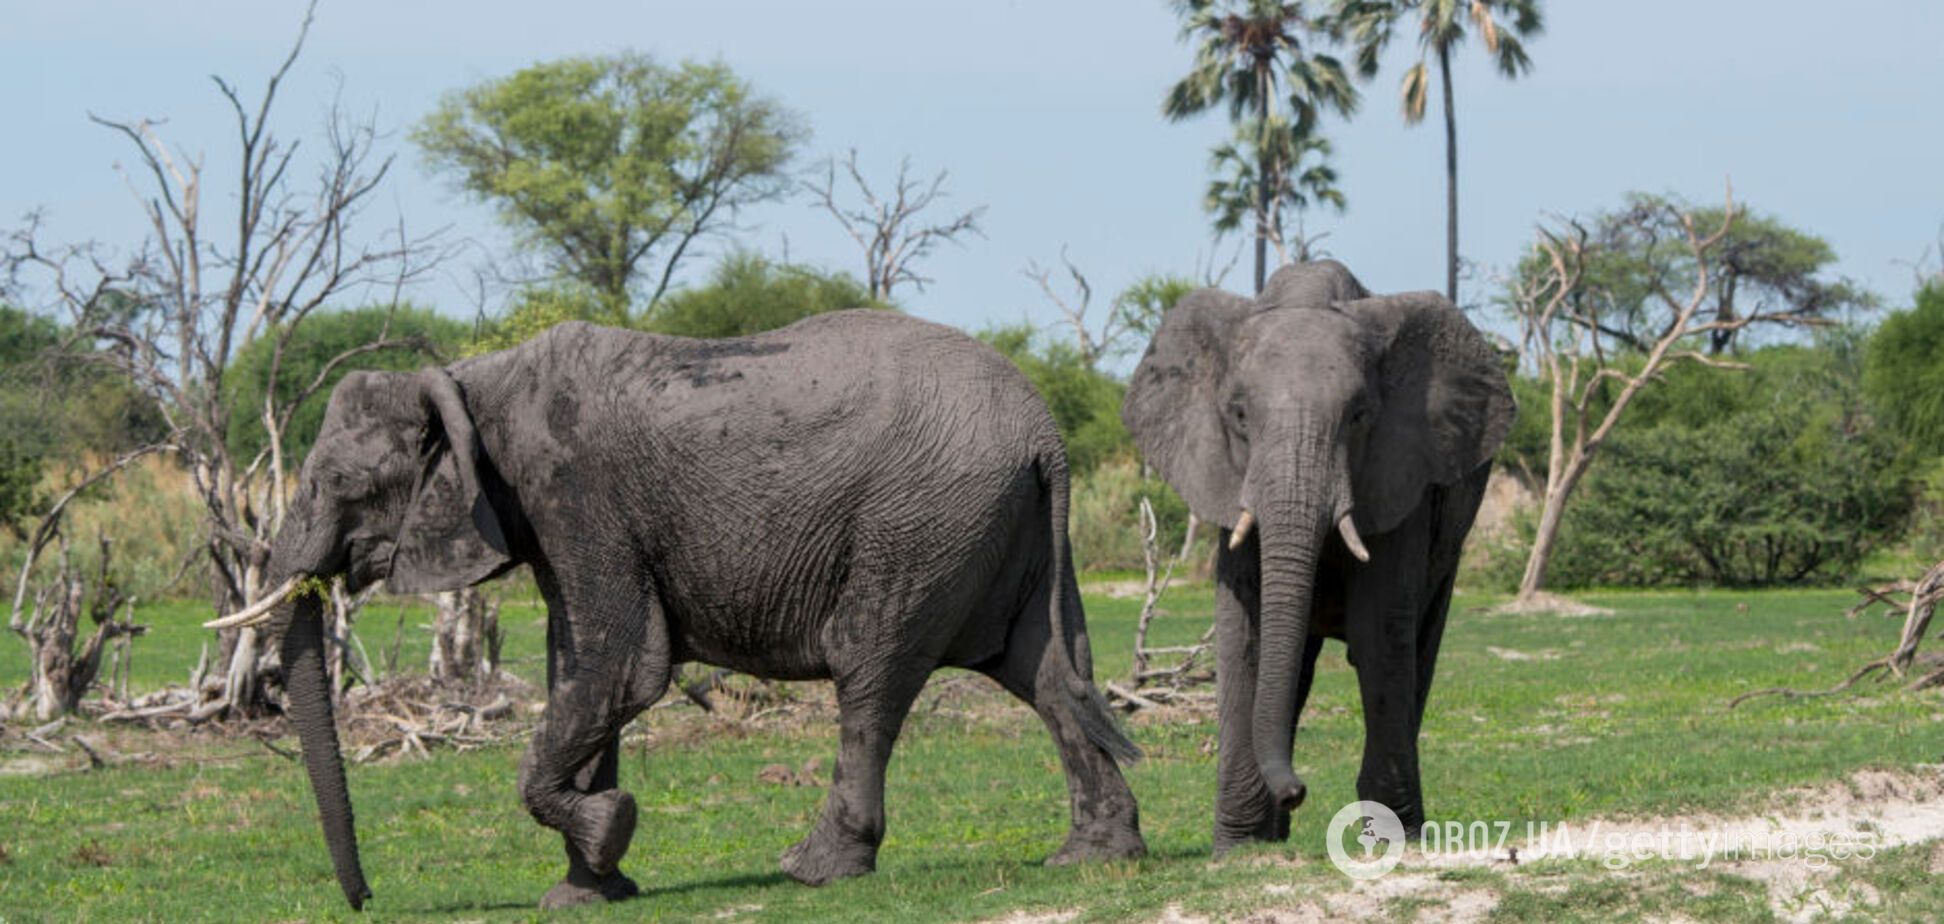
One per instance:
[(1249, 54), (1503, 25), (1293, 186)]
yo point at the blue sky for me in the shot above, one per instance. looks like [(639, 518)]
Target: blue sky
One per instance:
[(1048, 114)]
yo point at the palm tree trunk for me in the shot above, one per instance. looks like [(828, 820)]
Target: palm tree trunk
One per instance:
[(1262, 175), (1451, 179)]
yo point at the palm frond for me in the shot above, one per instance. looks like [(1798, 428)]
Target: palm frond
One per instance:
[(1416, 89)]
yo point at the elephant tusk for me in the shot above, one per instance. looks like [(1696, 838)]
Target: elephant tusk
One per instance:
[(1241, 532), (1351, 539), (255, 613)]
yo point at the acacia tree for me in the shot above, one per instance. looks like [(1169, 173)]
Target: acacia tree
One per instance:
[(1762, 267), (1255, 57), (209, 277), (1503, 26), (886, 225), (1592, 376), (612, 168)]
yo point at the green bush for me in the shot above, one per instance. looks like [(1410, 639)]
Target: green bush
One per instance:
[(322, 336), (1773, 476), (1904, 372), (748, 294), (532, 310), (1085, 401), (1104, 525), (57, 408)]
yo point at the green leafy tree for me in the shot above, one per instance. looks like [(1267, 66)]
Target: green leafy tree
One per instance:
[(1762, 268), (749, 294), (612, 168), (26, 430), (1904, 372), (1440, 26), (1142, 303), (303, 381), (1772, 477), (1085, 402), (1256, 58), (58, 405), (532, 310)]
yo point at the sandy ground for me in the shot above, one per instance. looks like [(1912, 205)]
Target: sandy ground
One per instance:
[(1792, 849)]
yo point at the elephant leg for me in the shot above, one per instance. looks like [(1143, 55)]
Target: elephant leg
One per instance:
[(582, 884), (872, 701), (1105, 821), (1430, 636), (1382, 626), (569, 774), (1244, 810)]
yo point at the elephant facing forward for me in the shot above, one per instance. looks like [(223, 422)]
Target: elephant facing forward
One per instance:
[(861, 497), (1342, 442)]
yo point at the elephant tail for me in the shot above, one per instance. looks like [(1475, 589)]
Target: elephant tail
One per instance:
[(1090, 709)]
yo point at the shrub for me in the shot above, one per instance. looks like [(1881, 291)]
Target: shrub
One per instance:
[(1904, 372), (748, 294), (1773, 476), (1085, 401), (1104, 525), (322, 336)]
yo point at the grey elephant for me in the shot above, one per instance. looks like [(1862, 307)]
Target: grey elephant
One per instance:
[(1342, 442), (861, 497)]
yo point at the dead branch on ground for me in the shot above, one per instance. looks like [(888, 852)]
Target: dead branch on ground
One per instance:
[(1918, 601)]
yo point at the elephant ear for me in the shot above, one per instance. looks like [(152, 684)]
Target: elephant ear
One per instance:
[(451, 537), (1174, 408), (1445, 405)]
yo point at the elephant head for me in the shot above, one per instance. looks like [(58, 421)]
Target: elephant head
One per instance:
[(1311, 414), (392, 491)]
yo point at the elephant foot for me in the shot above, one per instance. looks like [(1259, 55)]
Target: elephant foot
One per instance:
[(1107, 842), (604, 823), (818, 860), (583, 888), (1272, 828)]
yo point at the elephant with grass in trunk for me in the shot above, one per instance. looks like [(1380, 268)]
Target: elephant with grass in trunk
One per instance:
[(1342, 442), (861, 497)]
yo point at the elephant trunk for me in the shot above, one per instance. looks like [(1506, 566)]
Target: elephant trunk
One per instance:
[(1294, 525), (305, 547), (307, 687)]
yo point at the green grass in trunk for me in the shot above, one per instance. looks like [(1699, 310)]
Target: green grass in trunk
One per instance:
[(1533, 718)]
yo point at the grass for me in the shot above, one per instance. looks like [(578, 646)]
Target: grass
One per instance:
[(1534, 718)]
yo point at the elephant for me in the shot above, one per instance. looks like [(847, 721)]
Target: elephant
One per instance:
[(862, 497), (1342, 442)]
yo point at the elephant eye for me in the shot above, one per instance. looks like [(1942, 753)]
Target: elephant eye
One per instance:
[(1236, 411)]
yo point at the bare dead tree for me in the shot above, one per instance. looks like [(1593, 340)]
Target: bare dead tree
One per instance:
[(466, 636), (1093, 345), (1593, 380), (1151, 683), (59, 676), (203, 283), (886, 224)]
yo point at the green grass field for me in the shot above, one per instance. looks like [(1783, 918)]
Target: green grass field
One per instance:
[(1534, 718)]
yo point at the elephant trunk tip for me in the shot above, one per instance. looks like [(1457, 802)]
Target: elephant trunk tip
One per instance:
[(1286, 789)]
